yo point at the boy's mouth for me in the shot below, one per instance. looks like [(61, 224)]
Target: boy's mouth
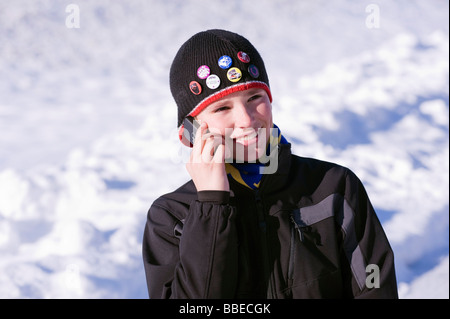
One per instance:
[(247, 137)]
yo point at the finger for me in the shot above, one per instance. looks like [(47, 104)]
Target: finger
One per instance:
[(219, 156), (208, 149), (218, 139), (228, 153), (198, 142)]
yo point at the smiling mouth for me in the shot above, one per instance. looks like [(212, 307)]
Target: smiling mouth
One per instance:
[(247, 139)]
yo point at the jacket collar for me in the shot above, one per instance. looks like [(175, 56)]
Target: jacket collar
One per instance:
[(274, 177)]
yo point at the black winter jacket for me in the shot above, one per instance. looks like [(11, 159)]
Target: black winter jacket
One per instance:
[(309, 231)]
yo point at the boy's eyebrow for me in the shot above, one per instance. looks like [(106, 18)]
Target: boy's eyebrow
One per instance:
[(252, 91), (220, 102), (226, 99)]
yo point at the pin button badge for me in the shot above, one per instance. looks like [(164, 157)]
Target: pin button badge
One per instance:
[(234, 74), (203, 72), (195, 87), (225, 62), (213, 81), (242, 56), (253, 70)]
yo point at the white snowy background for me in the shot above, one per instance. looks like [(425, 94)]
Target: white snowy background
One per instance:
[(88, 135)]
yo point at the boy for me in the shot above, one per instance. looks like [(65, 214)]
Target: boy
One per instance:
[(255, 221)]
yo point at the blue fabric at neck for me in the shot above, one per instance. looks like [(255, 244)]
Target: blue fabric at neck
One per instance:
[(249, 174)]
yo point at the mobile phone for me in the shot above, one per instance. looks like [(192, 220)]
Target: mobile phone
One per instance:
[(191, 126)]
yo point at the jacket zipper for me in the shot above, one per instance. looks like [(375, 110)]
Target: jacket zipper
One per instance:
[(291, 257), (297, 227), (263, 240), (294, 228)]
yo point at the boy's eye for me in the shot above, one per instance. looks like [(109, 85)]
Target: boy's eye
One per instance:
[(254, 97), (221, 109)]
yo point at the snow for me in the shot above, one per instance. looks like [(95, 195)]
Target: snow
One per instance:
[(88, 127)]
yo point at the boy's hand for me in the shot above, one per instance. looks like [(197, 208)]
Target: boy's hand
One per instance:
[(207, 161)]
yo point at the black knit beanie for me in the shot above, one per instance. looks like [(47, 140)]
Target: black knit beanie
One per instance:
[(211, 65)]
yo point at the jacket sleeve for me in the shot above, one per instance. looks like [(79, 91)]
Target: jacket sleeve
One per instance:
[(366, 247), (196, 258)]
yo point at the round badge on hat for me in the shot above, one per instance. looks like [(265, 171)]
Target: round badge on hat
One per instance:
[(253, 70), (213, 81), (203, 72), (234, 74), (195, 87), (225, 62), (243, 57)]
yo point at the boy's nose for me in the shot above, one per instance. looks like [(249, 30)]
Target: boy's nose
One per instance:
[(243, 117)]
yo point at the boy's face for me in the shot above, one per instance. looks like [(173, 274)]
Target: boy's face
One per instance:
[(245, 119)]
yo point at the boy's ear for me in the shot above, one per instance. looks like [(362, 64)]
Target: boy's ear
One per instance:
[(183, 136)]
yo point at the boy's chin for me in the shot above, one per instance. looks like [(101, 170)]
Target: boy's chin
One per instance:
[(249, 155)]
